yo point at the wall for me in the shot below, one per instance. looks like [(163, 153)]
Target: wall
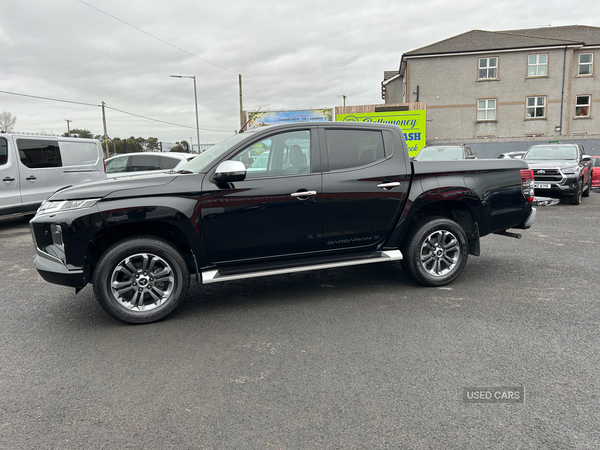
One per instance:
[(449, 87)]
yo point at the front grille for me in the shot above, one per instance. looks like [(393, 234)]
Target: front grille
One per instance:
[(548, 175)]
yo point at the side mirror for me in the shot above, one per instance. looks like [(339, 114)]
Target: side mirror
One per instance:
[(228, 172), (586, 158)]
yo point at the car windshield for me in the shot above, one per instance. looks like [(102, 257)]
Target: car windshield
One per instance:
[(596, 161), (439, 153), (552, 153), (214, 153)]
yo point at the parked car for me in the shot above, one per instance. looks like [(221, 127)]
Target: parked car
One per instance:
[(142, 163), (446, 152), (595, 171), (561, 170), (33, 167), (513, 155), (333, 194)]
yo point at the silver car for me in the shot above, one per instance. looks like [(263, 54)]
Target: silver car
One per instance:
[(145, 162)]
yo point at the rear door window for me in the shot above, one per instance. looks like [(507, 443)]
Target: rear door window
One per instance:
[(79, 153), (39, 153), (347, 149), (139, 163)]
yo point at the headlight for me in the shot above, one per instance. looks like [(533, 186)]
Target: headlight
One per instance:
[(48, 207), (571, 170)]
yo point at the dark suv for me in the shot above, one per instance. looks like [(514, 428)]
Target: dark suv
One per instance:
[(560, 170)]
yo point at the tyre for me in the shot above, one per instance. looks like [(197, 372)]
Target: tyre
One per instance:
[(588, 191), (576, 199), (435, 251), (140, 280)]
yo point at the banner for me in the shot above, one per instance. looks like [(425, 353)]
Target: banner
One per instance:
[(265, 118), (412, 123)]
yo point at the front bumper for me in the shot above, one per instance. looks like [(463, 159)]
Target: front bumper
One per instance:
[(567, 187), (54, 271), (62, 243)]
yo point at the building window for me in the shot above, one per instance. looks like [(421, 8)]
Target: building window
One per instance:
[(488, 68), (586, 64), (583, 104), (536, 107), (537, 65), (486, 109)]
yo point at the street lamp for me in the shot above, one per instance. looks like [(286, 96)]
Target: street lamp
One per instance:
[(196, 103)]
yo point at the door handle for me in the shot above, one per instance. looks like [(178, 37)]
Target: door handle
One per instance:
[(8, 179), (299, 195), (389, 185), (31, 177)]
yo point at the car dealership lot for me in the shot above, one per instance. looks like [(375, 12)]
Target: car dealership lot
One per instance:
[(348, 358)]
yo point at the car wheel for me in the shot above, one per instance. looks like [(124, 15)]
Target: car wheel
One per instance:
[(588, 191), (435, 251), (576, 199), (140, 280)]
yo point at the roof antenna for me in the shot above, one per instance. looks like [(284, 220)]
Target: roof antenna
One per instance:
[(243, 126)]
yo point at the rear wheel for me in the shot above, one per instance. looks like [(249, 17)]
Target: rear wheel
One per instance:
[(436, 251), (140, 280), (576, 199)]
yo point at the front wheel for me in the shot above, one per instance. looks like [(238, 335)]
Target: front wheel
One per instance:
[(140, 280), (588, 191), (576, 199), (435, 251)]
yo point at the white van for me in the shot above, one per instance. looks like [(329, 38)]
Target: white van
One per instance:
[(33, 167)]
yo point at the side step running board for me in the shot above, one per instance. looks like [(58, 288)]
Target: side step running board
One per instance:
[(213, 275)]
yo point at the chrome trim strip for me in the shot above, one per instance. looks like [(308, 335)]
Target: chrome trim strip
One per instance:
[(212, 275), (49, 257)]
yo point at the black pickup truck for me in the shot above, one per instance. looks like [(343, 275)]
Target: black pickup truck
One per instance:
[(281, 199)]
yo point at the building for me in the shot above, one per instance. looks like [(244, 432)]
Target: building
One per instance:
[(504, 84)]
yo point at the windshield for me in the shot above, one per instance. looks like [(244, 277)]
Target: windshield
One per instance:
[(214, 153), (439, 153), (552, 152)]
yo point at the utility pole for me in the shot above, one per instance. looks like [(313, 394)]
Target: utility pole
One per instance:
[(195, 102), (105, 134), (344, 97), (241, 107), (68, 129)]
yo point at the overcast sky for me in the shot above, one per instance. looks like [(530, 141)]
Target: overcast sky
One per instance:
[(291, 54)]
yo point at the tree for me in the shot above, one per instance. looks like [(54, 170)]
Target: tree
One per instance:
[(177, 148), (7, 122), (152, 145), (80, 132)]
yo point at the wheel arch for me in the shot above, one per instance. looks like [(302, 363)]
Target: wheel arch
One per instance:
[(463, 213), (107, 237)]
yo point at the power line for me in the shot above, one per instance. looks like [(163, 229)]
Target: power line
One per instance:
[(109, 107), (161, 121), (48, 98), (159, 39)]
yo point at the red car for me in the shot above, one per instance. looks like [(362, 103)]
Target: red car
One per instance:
[(595, 171)]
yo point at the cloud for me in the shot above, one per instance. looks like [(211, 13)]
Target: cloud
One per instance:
[(292, 55)]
